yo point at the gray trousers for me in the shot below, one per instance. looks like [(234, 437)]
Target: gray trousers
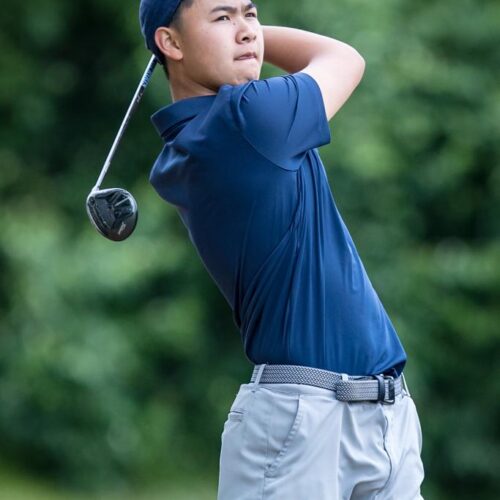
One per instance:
[(297, 442)]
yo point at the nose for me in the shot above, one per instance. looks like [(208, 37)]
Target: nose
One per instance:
[(247, 30)]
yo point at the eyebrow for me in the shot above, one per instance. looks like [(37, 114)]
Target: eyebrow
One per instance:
[(233, 10)]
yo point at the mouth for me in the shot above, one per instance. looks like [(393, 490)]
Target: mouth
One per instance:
[(247, 56)]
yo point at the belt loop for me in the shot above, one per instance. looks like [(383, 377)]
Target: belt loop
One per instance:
[(259, 375), (404, 384)]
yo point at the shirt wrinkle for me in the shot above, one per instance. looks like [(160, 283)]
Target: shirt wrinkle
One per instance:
[(260, 211)]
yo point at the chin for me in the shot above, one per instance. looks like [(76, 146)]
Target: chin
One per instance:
[(239, 79), (251, 76)]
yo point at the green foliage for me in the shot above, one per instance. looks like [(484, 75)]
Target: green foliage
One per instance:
[(16, 486), (118, 362)]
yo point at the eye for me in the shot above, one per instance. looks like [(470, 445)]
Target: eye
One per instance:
[(254, 14), (219, 18)]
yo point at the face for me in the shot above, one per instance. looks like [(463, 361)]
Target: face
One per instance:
[(214, 35)]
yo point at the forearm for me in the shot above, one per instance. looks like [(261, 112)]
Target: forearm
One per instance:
[(292, 49)]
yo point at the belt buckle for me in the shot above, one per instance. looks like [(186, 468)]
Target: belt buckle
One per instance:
[(391, 399)]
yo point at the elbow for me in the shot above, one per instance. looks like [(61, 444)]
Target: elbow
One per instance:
[(358, 60), (362, 62), (358, 64), (362, 66), (353, 58)]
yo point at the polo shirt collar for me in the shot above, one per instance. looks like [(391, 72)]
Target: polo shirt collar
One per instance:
[(168, 119)]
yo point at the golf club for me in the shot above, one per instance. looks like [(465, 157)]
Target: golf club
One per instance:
[(113, 211)]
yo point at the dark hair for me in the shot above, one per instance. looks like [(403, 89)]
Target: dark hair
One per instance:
[(176, 23)]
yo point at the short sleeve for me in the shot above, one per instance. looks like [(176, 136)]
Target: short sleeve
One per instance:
[(282, 117)]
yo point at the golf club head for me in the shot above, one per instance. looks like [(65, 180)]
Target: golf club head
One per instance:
[(113, 212)]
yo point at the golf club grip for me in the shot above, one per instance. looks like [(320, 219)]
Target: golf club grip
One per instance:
[(146, 77)]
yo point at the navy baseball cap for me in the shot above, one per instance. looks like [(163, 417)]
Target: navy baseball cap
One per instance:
[(152, 15)]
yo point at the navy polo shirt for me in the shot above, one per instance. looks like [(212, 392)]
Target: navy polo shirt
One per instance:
[(242, 169)]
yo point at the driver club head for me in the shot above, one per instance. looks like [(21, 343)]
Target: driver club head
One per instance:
[(113, 212)]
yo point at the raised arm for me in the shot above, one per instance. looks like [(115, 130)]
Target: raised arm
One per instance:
[(336, 66)]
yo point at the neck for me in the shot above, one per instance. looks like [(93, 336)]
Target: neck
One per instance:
[(182, 87)]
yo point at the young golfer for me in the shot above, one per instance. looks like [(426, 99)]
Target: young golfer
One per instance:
[(326, 414)]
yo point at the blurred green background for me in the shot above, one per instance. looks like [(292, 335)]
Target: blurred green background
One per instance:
[(118, 362)]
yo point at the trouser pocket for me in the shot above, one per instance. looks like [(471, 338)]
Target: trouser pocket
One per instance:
[(283, 416), (259, 435)]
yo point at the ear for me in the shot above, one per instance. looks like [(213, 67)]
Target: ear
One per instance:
[(167, 41)]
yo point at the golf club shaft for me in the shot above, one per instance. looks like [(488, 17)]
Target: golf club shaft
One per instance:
[(137, 97)]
